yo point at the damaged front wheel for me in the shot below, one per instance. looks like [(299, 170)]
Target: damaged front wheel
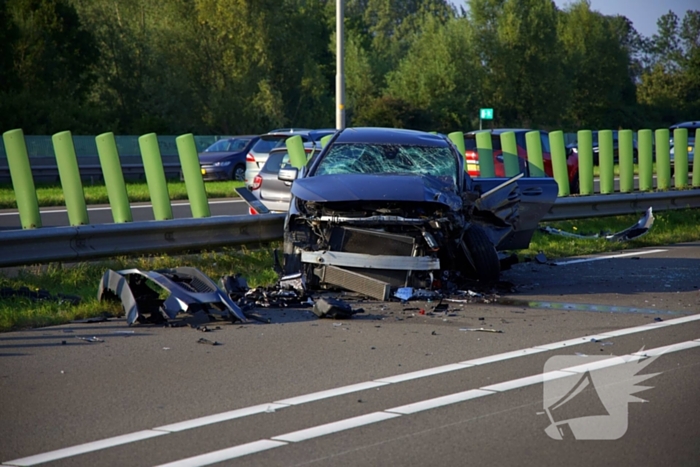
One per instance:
[(481, 255)]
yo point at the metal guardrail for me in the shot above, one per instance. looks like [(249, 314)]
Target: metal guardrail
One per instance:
[(71, 244)]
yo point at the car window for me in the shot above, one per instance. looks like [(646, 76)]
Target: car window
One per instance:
[(267, 143), (275, 162), (224, 145), (359, 158)]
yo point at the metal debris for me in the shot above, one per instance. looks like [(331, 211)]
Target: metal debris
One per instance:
[(498, 331), (634, 232)]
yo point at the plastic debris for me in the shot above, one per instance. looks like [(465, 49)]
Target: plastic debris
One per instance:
[(89, 339), (498, 331), (634, 232)]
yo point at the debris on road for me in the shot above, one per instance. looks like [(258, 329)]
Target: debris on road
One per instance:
[(89, 339), (333, 308), (497, 331), (634, 232), (208, 342)]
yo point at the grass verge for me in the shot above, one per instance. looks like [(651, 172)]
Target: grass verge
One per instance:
[(52, 194), (256, 266)]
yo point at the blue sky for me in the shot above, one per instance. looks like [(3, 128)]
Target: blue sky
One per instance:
[(642, 13)]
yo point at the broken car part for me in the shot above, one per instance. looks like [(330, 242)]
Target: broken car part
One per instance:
[(188, 290), (634, 232)]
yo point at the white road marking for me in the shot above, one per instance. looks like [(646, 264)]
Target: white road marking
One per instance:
[(227, 454), (85, 448), (599, 258), (335, 427), (135, 206), (202, 421), (376, 417)]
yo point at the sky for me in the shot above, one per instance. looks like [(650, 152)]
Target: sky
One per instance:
[(642, 13)]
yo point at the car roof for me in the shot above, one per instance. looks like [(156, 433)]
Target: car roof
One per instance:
[(389, 135), (690, 125)]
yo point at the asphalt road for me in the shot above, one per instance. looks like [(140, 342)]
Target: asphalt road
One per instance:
[(102, 214), (392, 386)]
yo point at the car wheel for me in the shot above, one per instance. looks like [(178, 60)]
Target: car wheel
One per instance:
[(239, 173), (482, 255)]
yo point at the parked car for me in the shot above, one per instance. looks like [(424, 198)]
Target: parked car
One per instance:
[(692, 127), (382, 208), (225, 159), (268, 188), (257, 155), (472, 156)]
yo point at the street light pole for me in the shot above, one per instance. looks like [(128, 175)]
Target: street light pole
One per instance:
[(339, 67)]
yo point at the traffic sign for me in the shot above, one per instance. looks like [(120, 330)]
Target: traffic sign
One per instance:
[(486, 114)]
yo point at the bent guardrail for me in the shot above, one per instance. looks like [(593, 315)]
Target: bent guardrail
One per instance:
[(71, 244)]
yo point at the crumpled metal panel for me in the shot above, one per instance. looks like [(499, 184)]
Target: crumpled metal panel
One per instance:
[(189, 290)]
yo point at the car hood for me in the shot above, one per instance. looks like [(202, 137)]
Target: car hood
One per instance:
[(211, 157), (373, 187)]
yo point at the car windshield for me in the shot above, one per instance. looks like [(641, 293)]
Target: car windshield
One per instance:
[(389, 159), (225, 145)]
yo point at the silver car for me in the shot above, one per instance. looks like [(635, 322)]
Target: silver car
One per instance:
[(258, 153), (268, 188)]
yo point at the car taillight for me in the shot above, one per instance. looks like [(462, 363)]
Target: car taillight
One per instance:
[(252, 211), (472, 160), (250, 157), (257, 182)]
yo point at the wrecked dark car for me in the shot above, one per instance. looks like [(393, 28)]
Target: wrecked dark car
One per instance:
[(382, 208)]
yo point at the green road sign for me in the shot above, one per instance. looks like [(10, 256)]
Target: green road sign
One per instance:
[(486, 114)]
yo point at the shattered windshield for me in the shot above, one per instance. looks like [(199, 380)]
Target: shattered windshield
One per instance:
[(361, 158)]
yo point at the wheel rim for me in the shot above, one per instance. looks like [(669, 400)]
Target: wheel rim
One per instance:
[(239, 173)]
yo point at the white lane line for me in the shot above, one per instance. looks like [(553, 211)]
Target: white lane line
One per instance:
[(424, 373), (376, 417), (335, 427), (397, 378), (221, 417), (599, 258), (107, 208), (439, 402), (226, 454), (315, 396), (85, 448)]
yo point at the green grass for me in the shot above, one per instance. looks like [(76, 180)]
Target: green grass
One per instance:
[(256, 266), (52, 194)]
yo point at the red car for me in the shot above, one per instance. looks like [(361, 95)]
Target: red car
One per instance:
[(472, 157)]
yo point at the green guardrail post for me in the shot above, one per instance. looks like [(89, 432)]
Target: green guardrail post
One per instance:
[(22, 180), (585, 161), (457, 137), (680, 157), (485, 151), (696, 170), (645, 154), (325, 140), (534, 154), (69, 173), (114, 177), (606, 161), (663, 159), (626, 151), (295, 148), (510, 154), (559, 167), (155, 177), (191, 170)]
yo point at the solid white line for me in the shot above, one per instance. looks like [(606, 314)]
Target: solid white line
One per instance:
[(600, 364), (598, 258), (424, 373), (526, 381), (376, 417), (668, 349), (84, 448), (335, 427), (226, 454), (439, 401), (331, 393), (95, 446), (221, 417)]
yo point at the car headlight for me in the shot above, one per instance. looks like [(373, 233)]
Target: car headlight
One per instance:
[(222, 163)]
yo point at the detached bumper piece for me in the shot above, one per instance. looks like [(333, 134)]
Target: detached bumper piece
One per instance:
[(156, 296)]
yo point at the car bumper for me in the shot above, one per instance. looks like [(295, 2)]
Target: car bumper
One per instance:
[(210, 173)]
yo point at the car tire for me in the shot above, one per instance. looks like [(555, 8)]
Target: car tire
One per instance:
[(477, 246), (238, 173)]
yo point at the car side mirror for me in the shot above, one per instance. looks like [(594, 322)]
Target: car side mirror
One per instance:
[(288, 173)]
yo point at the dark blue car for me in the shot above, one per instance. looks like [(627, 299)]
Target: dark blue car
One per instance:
[(225, 159)]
